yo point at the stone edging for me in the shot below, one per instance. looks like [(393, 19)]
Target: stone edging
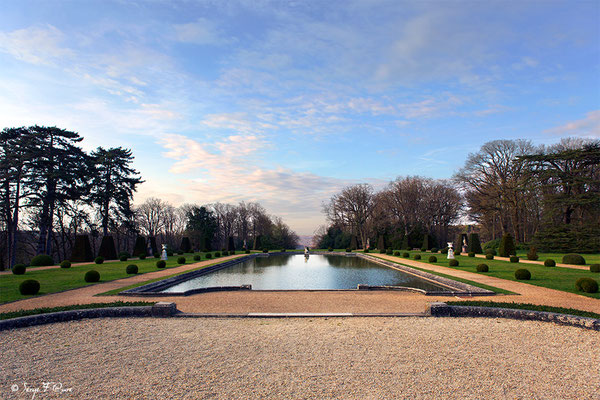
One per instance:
[(158, 310), (444, 310)]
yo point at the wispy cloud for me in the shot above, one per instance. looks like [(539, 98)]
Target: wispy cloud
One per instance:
[(43, 45), (585, 127)]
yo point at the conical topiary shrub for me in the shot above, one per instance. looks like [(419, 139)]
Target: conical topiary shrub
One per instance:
[(140, 246), (507, 246), (107, 248), (474, 244), (427, 242), (230, 244), (257, 243), (405, 244), (82, 250), (186, 246), (153, 246), (381, 243), (353, 243)]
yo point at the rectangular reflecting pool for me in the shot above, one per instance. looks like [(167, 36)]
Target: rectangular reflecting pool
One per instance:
[(297, 272)]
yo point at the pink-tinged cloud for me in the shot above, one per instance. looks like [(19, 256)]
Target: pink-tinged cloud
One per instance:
[(586, 127)]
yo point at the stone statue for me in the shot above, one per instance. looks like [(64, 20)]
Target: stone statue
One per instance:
[(163, 255), (450, 251), (464, 247)]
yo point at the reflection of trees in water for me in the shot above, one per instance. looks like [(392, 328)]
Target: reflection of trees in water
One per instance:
[(272, 261), (347, 262)]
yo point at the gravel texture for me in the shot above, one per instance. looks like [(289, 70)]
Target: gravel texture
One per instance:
[(350, 358)]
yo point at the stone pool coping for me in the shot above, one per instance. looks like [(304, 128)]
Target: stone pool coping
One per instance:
[(154, 289), (166, 310)]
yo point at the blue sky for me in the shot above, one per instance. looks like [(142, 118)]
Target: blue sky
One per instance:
[(287, 102)]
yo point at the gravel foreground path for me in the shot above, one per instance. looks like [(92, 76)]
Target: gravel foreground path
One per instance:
[(348, 358)]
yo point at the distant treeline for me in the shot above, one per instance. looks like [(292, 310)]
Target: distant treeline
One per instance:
[(544, 196)]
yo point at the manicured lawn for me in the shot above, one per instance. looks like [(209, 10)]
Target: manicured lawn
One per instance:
[(60, 279), (550, 277), (589, 258)]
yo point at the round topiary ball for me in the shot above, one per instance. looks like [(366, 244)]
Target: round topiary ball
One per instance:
[(348, 250), (156, 255), (453, 263), (471, 254), (444, 250), (491, 251), (595, 268), (330, 249), (208, 256), (161, 264), (434, 249), (489, 256), (523, 274), (550, 263), (264, 251), (218, 254), (180, 260), (123, 258), (574, 259), (247, 252), (457, 253), (65, 264), (397, 253), (29, 287), (19, 269), (180, 252), (587, 285), (226, 253), (405, 255), (482, 268), (514, 259), (131, 269), (99, 260), (92, 276), (142, 256), (432, 259), (197, 257), (41, 260), (170, 253), (417, 257)]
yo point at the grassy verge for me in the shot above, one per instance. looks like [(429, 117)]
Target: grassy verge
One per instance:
[(46, 310), (523, 306), (549, 277), (61, 279), (589, 258)]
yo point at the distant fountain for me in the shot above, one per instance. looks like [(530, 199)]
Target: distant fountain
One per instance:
[(450, 251)]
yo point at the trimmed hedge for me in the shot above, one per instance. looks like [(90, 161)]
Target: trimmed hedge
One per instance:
[(514, 259), (574, 259), (65, 264), (432, 259), (405, 255), (507, 246), (41, 260), (99, 260), (417, 257), (82, 250), (587, 285), (131, 269), (208, 256), (453, 263), (483, 268), (471, 254), (595, 268), (523, 274), (550, 263), (491, 251), (19, 269), (180, 260), (489, 256), (142, 256), (123, 258), (29, 287), (397, 253), (434, 249), (532, 254), (161, 264), (107, 248), (92, 276), (197, 257)]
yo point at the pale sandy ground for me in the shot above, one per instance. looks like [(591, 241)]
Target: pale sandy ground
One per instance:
[(348, 358)]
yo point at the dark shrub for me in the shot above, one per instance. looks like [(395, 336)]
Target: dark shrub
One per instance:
[(19, 269), (140, 245), (224, 253), (397, 253), (156, 255), (550, 263), (161, 264), (197, 257), (514, 259), (382, 251), (489, 256), (423, 249), (283, 250), (82, 250), (170, 253), (595, 268), (65, 264), (107, 248), (491, 251), (417, 257), (230, 244), (457, 253), (265, 250), (432, 259), (218, 254), (453, 263), (405, 245), (482, 268), (348, 250), (99, 260), (444, 250), (247, 252), (124, 254), (366, 250), (491, 245), (208, 256), (41, 260), (131, 269), (153, 246), (474, 245), (142, 256), (92, 276), (257, 243), (389, 252), (180, 260), (180, 252), (186, 246), (405, 255), (123, 258), (507, 246), (574, 259), (532, 254), (29, 287), (471, 254), (330, 249), (434, 250), (427, 242), (523, 274), (587, 285)]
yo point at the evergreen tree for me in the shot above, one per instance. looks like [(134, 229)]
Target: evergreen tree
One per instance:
[(113, 183), (507, 246), (381, 243), (107, 248), (405, 244), (140, 246), (474, 244), (201, 226), (230, 244), (353, 243)]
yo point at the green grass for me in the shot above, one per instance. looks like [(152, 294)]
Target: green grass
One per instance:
[(550, 277), (46, 310), (523, 306), (589, 258), (59, 279)]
